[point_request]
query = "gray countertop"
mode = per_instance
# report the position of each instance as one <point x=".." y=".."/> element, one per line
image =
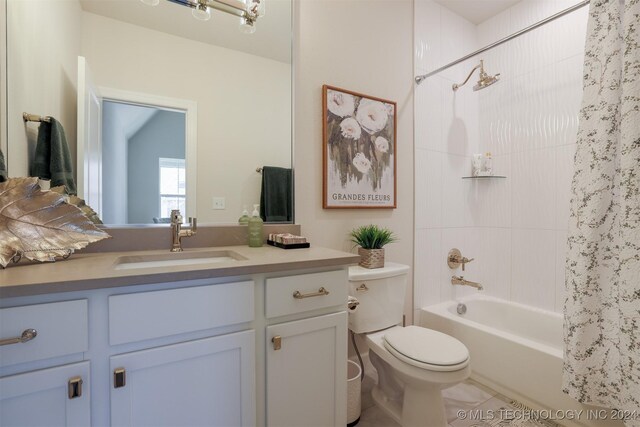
<point x="98" y="270"/>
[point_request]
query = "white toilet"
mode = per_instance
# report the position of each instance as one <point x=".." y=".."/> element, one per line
<point x="413" y="363"/>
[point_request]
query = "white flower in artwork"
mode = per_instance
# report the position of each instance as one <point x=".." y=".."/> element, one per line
<point x="382" y="145"/>
<point x="361" y="163"/>
<point x="372" y="115"/>
<point x="340" y="104"/>
<point x="350" y="128"/>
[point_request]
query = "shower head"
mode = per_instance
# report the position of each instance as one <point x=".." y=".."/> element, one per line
<point x="485" y="79"/>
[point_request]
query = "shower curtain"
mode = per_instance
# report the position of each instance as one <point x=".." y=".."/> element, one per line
<point x="602" y="309"/>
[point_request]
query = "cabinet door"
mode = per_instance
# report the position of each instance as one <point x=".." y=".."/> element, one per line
<point x="307" y="375"/>
<point x="41" y="398"/>
<point x="207" y="382"/>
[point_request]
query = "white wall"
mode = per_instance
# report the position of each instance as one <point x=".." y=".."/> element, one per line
<point x="364" y="47"/>
<point x="244" y="116"/>
<point x="50" y="55"/>
<point x="514" y="228"/>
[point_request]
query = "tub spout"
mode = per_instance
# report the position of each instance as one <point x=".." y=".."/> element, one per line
<point x="459" y="280"/>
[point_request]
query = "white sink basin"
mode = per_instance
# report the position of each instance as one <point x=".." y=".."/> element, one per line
<point x="173" y="259"/>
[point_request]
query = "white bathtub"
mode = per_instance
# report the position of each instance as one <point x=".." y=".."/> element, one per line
<point x="515" y="349"/>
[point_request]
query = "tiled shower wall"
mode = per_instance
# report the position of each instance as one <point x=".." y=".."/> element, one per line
<point x="515" y="228"/>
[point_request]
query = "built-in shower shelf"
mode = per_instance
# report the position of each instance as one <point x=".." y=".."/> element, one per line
<point x="485" y="177"/>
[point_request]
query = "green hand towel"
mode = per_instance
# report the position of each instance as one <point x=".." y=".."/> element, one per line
<point x="275" y="198"/>
<point x="52" y="158"/>
<point x="3" y="168"/>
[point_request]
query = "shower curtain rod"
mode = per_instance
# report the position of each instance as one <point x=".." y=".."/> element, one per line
<point x="577" y="6"/>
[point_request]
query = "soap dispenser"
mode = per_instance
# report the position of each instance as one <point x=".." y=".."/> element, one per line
<point x="244" y="219"/>
<point x="255" y="228"/>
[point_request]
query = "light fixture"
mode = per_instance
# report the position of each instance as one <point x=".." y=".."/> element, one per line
<point x="247" y="10"/>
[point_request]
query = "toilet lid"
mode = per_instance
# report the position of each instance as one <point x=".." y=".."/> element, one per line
<point x="427" y="346"/>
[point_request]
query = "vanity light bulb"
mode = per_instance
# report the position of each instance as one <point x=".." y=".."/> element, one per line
<point x="246" y="27"/>
<point x="201" y="12"/>
<point x="151" y="2"/>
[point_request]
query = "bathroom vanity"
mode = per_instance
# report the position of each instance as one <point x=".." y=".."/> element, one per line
<point x="257" y="338"/>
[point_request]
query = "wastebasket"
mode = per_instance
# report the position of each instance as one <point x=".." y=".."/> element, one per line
<point x="353" y="393"/>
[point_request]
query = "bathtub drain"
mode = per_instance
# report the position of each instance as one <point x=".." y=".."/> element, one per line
<point x="461" y="309"/>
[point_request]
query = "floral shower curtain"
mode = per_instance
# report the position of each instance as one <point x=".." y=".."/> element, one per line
<point x="602" y="310"/>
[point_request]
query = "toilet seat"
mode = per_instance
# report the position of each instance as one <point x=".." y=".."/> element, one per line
<point x="426" y="349"/>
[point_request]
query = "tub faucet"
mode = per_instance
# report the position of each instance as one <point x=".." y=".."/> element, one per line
<point x="459" y="280"/>
<point x="177" y="233"/>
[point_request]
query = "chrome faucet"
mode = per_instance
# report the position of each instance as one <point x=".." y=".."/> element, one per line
<point x="459" y="280"/>
<point x="177" y="233"/>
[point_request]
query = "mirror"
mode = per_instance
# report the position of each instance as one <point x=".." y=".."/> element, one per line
<point x="228" y="93"/>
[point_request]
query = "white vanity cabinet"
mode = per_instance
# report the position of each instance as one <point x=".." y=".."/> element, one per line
<point x="307" y="359"/>
<point x="39" y="337"/>
<point x="206" y="382"/>
<point x="58" y="396"/>
<point x="201" y="382"/>
<point x="263" y="349"/>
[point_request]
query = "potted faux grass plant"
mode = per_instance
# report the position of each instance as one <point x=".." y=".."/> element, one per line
<point x="371" y="240"/>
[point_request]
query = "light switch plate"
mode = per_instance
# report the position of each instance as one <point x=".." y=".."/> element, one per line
<point x="218" y="203"/>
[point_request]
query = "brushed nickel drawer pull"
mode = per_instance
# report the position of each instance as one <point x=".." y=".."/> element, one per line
<point x="277" y="342"/>
<point x="322" y="291"/>
<point x="27" y="335"/>
<point x="119" y="377"/>
<point x="74" y="387"/>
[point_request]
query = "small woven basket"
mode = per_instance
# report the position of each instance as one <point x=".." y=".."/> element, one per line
<point x="371" y="258"/>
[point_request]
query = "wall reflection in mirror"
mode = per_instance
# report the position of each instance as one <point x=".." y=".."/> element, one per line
<point x="160" y="110"/>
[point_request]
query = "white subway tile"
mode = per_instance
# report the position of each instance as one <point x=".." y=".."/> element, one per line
<point x="453" y="198"/>
<point x="564" y="175"/>
<point x="428" y="271"/>
<point x="428" y="114"/>
<point x="428" y="189"/>
<point x="561" y="255"/>
<point x="534" y="268"/>
<point x="428" y="35"/>
<point x="533" y="189"/>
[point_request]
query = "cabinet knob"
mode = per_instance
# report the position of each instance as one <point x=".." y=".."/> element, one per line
<point x="277" y="342"/>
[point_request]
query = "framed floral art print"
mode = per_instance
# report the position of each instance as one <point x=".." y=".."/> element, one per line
<point x="359" y="150"/>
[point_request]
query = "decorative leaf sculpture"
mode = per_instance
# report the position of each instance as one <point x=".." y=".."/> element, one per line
<point x="80" y="203"/>
<point x="40" y="225"/>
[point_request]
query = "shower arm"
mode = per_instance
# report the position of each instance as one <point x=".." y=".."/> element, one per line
<point x="457" y="86"/>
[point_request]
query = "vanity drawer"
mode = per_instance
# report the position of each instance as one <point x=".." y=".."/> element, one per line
<point x="61" y="329"/>
<point x="280" y="299"/>
<point x="146" y="315"/>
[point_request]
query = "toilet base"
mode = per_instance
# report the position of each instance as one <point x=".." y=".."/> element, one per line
<point x="422" y="407"/>
<point x="409" y="395"/>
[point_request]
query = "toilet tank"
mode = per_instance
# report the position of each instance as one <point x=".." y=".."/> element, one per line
<point x="381" y="293"/>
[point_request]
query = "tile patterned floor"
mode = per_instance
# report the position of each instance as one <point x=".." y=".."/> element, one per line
<point x="472" y="398"/>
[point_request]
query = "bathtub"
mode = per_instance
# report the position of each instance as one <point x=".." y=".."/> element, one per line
<point x="515" y="349"/>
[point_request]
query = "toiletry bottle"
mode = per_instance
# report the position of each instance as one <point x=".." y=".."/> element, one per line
<point x="476" y="165"/>
<point x="244" y="219"/>
<point x="255" y="228"/>
<point x="487" y="165"/>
